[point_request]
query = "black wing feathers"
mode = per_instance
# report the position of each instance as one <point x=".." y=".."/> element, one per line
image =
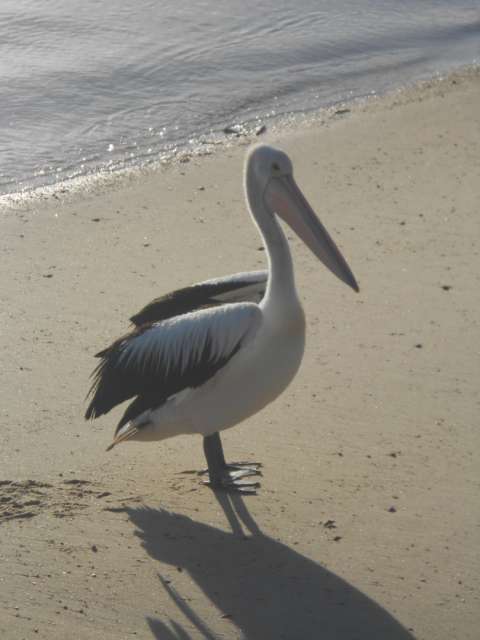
<point x="205" y="294"/>
<point x="150" y="380"/>
<point x="151" y="385"/>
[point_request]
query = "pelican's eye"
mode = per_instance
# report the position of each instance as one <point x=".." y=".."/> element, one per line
<point x="275" y="167"/>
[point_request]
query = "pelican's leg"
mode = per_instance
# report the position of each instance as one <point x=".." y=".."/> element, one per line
<point x="227" y="476"/>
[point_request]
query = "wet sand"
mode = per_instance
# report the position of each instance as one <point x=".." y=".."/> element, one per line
<point x="367" y="522"/>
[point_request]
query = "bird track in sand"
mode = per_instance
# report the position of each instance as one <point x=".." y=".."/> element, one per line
<point x="25" y="499"/>
<point x="29" y="498"/>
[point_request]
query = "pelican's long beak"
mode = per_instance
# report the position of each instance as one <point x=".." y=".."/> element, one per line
<point x="283" y="197"/>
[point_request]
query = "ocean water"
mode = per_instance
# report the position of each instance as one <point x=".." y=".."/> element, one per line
<point x="88" y="86"/>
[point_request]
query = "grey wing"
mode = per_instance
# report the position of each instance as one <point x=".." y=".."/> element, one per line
<point x="155" y="362"/>
<point x="238" y="287"/>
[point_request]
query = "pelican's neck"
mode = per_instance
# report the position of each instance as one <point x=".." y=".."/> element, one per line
<point x="281" y="281"/>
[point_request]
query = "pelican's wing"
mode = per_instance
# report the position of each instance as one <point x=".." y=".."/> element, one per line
<point x="238" y="287"/>
<point x="157" y="361"/>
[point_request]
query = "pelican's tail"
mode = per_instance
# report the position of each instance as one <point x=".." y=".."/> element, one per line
<point x="126" y="433"/>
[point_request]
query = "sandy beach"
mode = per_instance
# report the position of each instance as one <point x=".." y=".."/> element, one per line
<point x="367" y="522"/>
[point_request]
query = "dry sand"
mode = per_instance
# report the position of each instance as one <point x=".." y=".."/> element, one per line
<point x="367" y="522"/>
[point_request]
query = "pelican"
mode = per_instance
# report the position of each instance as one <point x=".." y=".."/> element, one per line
<point x="204" y="358"/>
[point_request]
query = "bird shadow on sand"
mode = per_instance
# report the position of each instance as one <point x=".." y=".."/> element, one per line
<point x="264" y="588"/>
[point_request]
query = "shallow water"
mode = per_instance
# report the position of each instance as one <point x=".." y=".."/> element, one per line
<point x="88" y="86"/>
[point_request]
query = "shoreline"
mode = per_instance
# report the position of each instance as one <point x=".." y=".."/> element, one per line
<point x="277" y="127"/>
<point x="366" y="523"/>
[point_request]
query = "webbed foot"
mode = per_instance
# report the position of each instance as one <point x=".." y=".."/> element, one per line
<point x="231" y="481"/>
<point x="228" y="477"/>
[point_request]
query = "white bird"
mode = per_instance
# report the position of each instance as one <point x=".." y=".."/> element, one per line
<point x="205" y="358"/>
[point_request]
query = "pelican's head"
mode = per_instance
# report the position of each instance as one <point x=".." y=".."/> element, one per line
<point x="266" y="163"/>
<point x="272" y="173"/>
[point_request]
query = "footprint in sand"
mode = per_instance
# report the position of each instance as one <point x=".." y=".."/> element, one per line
<point x="29" y="498"/>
